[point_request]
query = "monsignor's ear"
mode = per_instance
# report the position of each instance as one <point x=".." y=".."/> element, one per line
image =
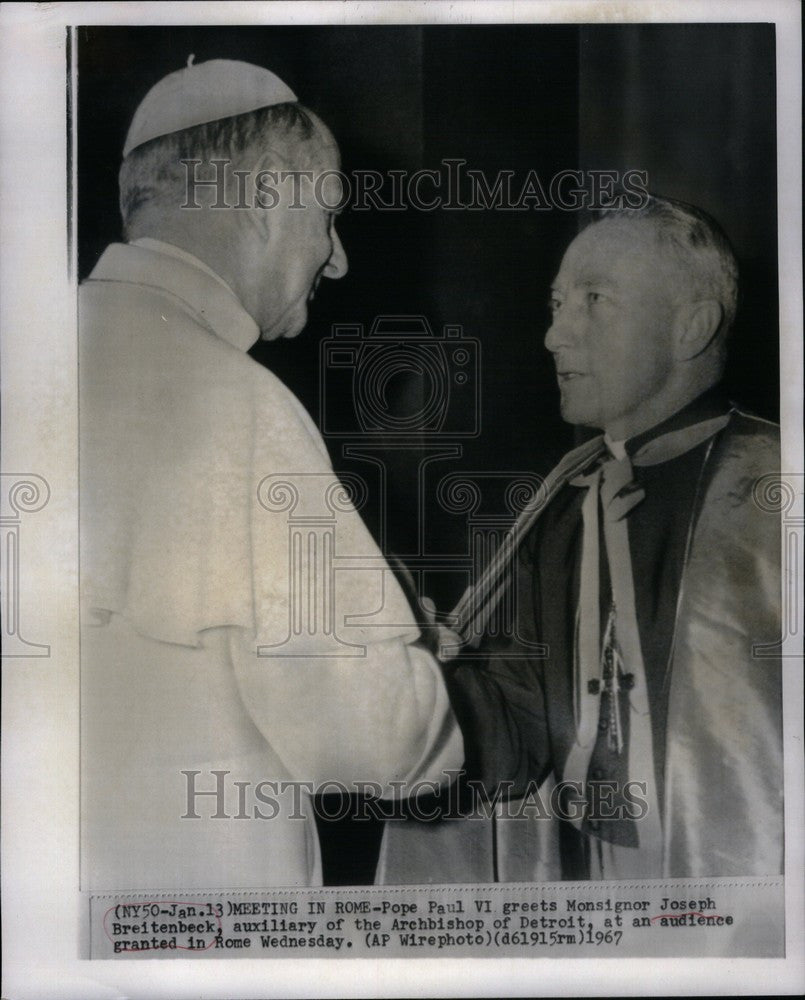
<point x="697" y="325"/>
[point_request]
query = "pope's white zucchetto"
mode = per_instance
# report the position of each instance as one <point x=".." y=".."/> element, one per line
<point x="207" y="92"/>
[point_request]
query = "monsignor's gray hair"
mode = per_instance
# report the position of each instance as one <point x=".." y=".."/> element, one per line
<point x="699" y="245"/>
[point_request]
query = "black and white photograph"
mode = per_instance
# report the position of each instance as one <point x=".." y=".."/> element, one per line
<point x="419" y="481"/>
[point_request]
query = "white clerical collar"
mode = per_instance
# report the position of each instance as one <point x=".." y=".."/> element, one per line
<point x="159" y="265"/>
<point x="616" y="448"/>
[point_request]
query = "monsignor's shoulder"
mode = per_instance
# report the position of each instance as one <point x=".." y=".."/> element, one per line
<point x="761" y="436"/>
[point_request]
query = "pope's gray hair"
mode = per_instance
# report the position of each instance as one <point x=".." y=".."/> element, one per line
<point x="154" y="174"/>
<point x="699" y="246"/>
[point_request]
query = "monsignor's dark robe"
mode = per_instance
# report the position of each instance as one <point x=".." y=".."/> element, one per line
<point x="705" y="548"/>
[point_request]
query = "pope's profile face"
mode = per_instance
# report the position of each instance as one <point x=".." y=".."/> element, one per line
<point x="613" y="305"/>
<point x="303" y="245"/>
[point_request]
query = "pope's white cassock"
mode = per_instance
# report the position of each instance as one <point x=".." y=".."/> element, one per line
<point x="237" y="617"/>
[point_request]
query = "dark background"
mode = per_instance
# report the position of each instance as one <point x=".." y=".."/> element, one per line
<point x="693" y="105"/>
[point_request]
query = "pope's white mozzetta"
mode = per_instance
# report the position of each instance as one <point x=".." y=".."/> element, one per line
<point x="186" y="443"/>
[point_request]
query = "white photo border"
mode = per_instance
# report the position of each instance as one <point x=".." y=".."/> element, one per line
<point x="40" y="706"/>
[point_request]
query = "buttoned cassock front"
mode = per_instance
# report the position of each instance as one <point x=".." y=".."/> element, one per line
<point x="186" y="573"/>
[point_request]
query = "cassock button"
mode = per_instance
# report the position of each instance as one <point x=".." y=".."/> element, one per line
<point x="603" y="725"/>
<point x="593" y="686"/>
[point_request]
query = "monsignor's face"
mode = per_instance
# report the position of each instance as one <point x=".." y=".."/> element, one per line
<point x="303" y="245"/>
<point x="613" y="304"/>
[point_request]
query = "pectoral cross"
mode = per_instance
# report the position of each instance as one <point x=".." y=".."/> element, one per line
<point x="615" y="679"/>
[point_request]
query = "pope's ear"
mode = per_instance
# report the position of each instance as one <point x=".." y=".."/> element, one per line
<point x="697" y="325"/>
<point x="264" y="189"/>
